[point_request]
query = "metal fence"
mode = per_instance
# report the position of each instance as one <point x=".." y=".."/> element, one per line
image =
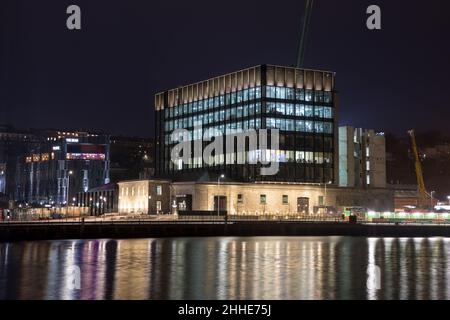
<point x="172" y="219"/>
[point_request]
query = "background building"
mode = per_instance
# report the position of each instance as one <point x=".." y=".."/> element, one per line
<point x="300" y="103"/>
<point x="272" y="198"/>
<point x="131" y="158"/>
<point x="362" y="158"/>
<point x="145" y="197"/>
<point x="13" y="143"/>
<point x="45" y="166"/>
<point x="59" y="165"/>
<point x="99" y="200"/>
<point x="3" y="178"/>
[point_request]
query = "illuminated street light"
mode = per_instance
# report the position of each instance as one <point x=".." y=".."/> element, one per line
<point x="325" y="196"/>
<point x="218" y="183"/>
<point x="431" y="199"/>
<point x="68" y="186"/>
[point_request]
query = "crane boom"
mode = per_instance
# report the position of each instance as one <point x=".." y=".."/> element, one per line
<point x="419" y="174"/>
<point x="304" y="34"/>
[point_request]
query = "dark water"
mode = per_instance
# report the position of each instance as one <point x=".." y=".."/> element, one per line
<point x="227" y="268"/>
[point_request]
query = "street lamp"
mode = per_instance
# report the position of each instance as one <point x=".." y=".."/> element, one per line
<point x="325" y="196"/>
<point x="431" y="200"/>
<point x="68" y="186"/>
<point x="218" y="183"/>
<point x="448" y="199"/>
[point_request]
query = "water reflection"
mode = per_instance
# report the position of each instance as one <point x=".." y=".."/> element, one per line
<point x="228" y="268"/>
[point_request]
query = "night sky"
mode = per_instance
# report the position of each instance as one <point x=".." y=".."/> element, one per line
<point x="104" y="76"/>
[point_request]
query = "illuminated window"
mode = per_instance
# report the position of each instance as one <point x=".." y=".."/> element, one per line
<point x="258" y="108"/>
<point x="318" y="96"/>
<point x="290" y="109"/>
<point x="281" y="108"/>
<point x="280" y="92"/>
<point x="318" y="127"/>
<point x="262" y="199"/>
<point x="300" y="125"/>
<point x="271" y="107"/>
<point x="300" y="94"/>
<point x="290" y="93"/>
<point x="270" y="92"/>
<point x="159" y="190"/>
<point x="308" y="126"/>
<point x="308" y="111"/>
<point x="258" y="92"/>
<point x="321" y="201"/>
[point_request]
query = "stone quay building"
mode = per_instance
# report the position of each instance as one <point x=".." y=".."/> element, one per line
<point x="313" y="176"/>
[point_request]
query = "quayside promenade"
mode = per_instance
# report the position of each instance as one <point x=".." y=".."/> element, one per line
<point x="210" y="227"/>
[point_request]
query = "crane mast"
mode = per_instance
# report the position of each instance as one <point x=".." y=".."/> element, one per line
<point x="419" y="175"/>
<point x="304" y="34"/>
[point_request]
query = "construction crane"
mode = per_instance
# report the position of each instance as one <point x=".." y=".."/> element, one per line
<point x="304" y="34"/>
<point x="422" y="203"/>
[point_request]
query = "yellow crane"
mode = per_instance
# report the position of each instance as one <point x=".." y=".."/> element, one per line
<point x="422" y="203"/>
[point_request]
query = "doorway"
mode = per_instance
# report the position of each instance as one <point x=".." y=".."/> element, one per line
<point x="303" y="205"/>
<point x="222" y="201"/>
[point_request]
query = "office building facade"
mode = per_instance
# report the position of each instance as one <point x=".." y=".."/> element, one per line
<point x="300" y="103"/>
<point x="362" y="158"/>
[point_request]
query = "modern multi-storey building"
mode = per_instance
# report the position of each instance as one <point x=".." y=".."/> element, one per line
<point x="300" y="103"/>
<point x="2" y="178"/>
<point x="62" y="164"/>
<point x="362" y="158"/>
<point x="13" y="143"/>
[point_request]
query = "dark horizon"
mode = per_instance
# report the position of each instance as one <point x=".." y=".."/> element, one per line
<point x="103" y="77"/>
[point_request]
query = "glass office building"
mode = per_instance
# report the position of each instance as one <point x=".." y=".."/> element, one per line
<point x="300" y="103"/>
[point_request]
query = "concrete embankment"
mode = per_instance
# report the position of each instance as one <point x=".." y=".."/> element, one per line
<point x="55" y="230"/>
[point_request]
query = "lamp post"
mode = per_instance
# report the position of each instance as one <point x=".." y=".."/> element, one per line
<point x="325" y="196"/>
<point x="431" y="200"/>
<point x="68" y="186"/>
<point x="218" y="183"/>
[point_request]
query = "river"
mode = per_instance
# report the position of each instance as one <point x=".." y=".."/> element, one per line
<point x="227" y="268"/>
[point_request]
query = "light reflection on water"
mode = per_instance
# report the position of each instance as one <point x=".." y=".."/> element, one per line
<point x="227" y="268"/>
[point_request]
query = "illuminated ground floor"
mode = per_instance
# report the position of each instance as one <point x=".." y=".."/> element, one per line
<point x="163" y="197"/>
<point x="276" y="198"/>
